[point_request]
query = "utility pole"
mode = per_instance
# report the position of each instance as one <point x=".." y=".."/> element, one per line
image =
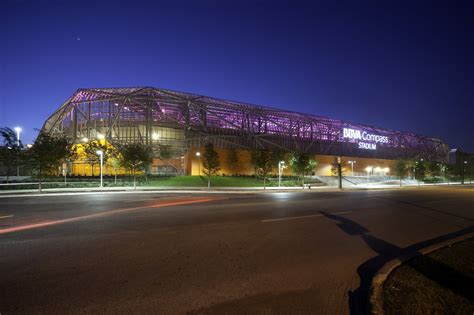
<point x="280" y="170"/>
<point x="339" y="171"/>
<point x="101" y="156"/>
<point x="352" y="166"/>
<point x="18" y="130"/>
<point x="198" y="154"/>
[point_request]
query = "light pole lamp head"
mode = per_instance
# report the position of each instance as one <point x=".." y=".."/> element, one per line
<point x="18" y="129"/>
<point x="99" y="152"/>
<point x="198" y="153"/>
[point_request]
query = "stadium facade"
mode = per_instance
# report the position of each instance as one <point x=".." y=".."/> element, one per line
<point x="186" y="122"/>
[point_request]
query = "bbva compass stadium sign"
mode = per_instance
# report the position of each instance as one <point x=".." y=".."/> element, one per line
<point x="367" y="141"/>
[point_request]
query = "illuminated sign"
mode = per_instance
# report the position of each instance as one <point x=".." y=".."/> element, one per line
<point x="367" y="141"/>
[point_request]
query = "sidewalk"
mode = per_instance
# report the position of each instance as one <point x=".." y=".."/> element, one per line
<point x="155" y="189"/>
<point x="204" y="190"/>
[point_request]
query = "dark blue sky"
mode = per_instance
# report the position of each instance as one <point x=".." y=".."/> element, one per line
<point x="403" y="65"/>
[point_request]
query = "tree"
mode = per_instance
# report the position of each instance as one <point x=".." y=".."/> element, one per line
<point x="164" y="152"/>
<point x="420" y="170"/>
<point x="115" y="161"/>
<point x="254" y="155"/>
<point x="91" y="156"/>
<point x="233" y="160"/>
<point x="11" y="150"/>
<point x="442" y="170"/>
<point x="432" y="168"/>
<point x="264" y="164"/>
<point x="134" y="156"/>
<point x="210" y="162"/>
<point x="73" y="155"/>
<point x="401" y="169"/>
<point x="48" y="153"/>
<point x="7" y="159"/>
<point x="334" y="166"/>
<point x="302" y="163"/>
<point x="279" y="156"/>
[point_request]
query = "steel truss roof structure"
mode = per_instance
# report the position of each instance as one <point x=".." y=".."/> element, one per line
<point x="131" y="114"/>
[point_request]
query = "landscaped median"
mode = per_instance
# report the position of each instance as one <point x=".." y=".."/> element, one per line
<point x="441" y="282"/>
<point x="158" y="181"/>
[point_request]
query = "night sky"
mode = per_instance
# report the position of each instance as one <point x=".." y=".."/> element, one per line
<point x="402" y="65"/>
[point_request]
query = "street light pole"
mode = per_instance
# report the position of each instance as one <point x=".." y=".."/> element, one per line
<point x="101" y="155"/>
<point x="18" y="130"/>
<point x="280" y="169"/>
<point x="368" y="169"/>
<point x="463" y="171"/>
<point x="352" y="167"/>
<point x="470" y="170"/>
<point x="198" y="154"/>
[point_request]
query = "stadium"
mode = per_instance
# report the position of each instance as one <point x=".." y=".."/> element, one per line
<point x="186" y="122"/>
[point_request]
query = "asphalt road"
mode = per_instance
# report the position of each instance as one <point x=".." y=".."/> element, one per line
<point x="308" y="252"/>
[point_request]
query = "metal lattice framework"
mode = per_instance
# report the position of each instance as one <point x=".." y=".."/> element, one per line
<point x="184" y="120"/>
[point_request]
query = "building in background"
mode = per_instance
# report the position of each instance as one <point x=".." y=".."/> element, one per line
<point x="185" y="122"/>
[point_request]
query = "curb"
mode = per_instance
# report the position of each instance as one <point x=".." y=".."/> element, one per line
<point x="157" y="191"/>
<point x="376" y="288"/>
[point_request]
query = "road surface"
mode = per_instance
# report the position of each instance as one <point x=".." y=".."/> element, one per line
<point x="264" y="253"/>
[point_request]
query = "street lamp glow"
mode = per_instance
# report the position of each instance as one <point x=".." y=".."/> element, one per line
<point x="155" y="136"/>
<point x="18" y="130"/>
<point x="101" y="155"/>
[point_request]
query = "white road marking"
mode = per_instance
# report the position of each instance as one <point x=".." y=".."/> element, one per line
<point x="100" y="214"/>
<point x="6" y="216"/>
<point x="304" y="216"/>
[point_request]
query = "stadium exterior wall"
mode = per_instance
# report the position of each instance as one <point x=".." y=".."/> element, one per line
<point x="187" y="121"/>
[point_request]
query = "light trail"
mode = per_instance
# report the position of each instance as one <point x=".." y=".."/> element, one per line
<point x="97" y="215"/>
<point x="303" y="217"/>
